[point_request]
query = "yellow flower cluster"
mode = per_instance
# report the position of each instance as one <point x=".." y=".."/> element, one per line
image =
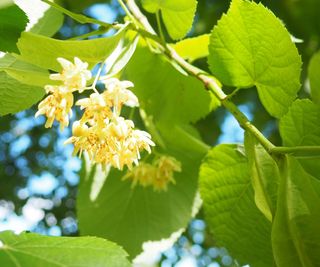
<point x="108" y="138"/>
<point x="57" y="106"/>
<point x="158" y="175"/>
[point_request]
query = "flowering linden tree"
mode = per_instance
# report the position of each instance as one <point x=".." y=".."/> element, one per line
<point x="133" y="101"/>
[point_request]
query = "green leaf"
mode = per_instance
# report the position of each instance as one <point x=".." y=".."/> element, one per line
<point x="111" y="208"/>
<point x="33" y="250"/>
<point x="43" y="51"/>
<point x="230" y="209"/>
<point x="49" y="24"/>
<point x="16" y="96"/>
<point x="300" y="127"/>
<point x="265" y="176"/>
<point x="251" y="47"/>
<point x="12" y="22"/>
<point x="24" y="72"/>
<point x="164" y="92"/>
<point x="314" y="77"/>
<point x="177" y="15"/>
<point x="296" y="228"/>
<point x="194" y="48"/>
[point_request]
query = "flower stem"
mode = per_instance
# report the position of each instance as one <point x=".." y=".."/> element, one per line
<point x="159" y="25"/>
<point x="127" y="11"/>
<point x="93" y="86"/>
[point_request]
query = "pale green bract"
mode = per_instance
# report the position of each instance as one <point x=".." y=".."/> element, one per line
<point x="43" y="51"/>
<point x="265" y="176"/>
<point x="177" y="15"/>
<point x="230" y="211"/>
<point x="34" y="250"/>
<point x="251" y="47"/>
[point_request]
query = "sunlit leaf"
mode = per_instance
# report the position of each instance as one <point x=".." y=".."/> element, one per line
<point x="230" y="210"/>
<point x="33" y="250"/>
<point x="300" y="127"/>
<point x="251" y="47"/>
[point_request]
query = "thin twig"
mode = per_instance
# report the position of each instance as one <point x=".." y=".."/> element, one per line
<point x="159" y="26"/>
<point x="126" y="10"/>
<point x="93" y="86"/>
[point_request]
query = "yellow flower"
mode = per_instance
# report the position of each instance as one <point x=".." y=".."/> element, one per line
<point x="96" y="109"/>
<point x="160" y="183"/>
<point x="126" y="142"/>
<point x="107" y="138"/>
<point x="57" y="106"/>
<point x="74" y="75"/>
<point x="117" y="94"/>
<point x="123" y="157"/>
<point x="143" y="175"/>
<point x="114" y="143"/>
<point x="120" y="128"/>
<point x="80" y="138"/>
<point x="141" y="139"/>
<point x="159" y="174"/>
<point x="166" y="166"/>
